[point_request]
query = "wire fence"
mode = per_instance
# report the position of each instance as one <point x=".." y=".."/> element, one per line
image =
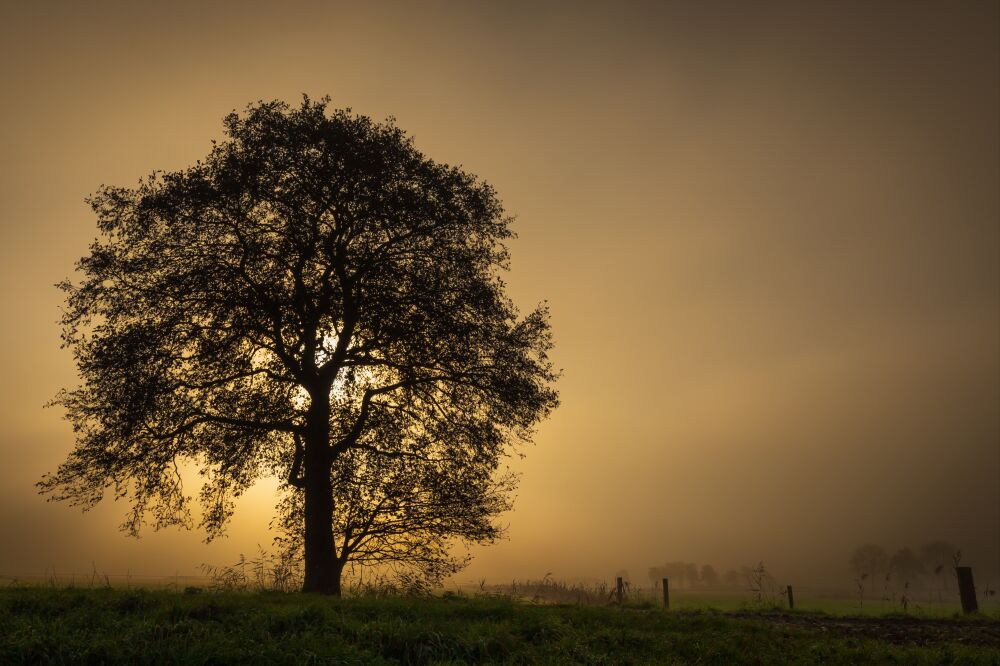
<point x="927" y="600"/>
<point x="753" y="595"/>
<point x="55" y="578"/>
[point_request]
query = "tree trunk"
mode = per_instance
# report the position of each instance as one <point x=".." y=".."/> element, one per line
<point x="322" y="567"/>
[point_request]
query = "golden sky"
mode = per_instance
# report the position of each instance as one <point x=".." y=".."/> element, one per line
<point x="769" y="234"/>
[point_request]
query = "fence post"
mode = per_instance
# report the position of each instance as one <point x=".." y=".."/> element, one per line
<point x="966" y="589"/>
<point x="666" y="593"/>
<point x="619" y="590"/>
<point x="791" y="599"/>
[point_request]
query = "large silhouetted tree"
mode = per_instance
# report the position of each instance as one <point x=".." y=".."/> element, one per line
<point x="314" y="282"/>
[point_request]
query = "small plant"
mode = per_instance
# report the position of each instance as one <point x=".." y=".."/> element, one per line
<point x="859" y="582"/>
<point x="885" y="586"/>
<point x="938" y="570"/>
<point x="275" y="573"/>
<point x="762" y="585"/>
<point x="94" y="577"/>
<point x="988" y="592"/>
<point x="550" y="591"/>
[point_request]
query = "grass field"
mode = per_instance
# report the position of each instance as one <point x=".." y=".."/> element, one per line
<point x="812" y="599"/>
<point x="75" y="625"/>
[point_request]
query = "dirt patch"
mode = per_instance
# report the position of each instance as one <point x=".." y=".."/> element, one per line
<point x="898" y="630"/>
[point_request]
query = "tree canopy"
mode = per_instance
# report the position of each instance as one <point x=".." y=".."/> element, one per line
<point x="284" y="306"/>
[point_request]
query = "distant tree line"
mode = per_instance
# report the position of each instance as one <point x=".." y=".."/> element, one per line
<point x="931" y="568"/>
<point x="692" y="575"/>
<point x="878" y="574"/>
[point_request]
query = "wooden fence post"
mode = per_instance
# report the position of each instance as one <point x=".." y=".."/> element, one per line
<point x="791" y="599"/>
<point x="666" y="593"/>
<point x="619" y="590"/>
<point x="966" y="589"/>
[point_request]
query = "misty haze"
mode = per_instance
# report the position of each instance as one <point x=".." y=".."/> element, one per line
<point x="561" y="302"/>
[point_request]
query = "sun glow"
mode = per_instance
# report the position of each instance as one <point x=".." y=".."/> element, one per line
<point x="347" y="383"/>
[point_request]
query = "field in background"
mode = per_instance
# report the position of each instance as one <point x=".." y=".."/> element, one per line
<point x="71" y="625"/>
<point x="827" y="600"/>
<point x="811" y="599"/>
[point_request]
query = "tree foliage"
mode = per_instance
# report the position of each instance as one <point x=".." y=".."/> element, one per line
<point x="401" y="516"/>
<point x="314" y="284"/>
<point x="869" y="560"/>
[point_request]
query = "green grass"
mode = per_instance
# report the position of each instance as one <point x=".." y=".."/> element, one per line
<point x="113" y="625"/>
<point x="728" y="601"/>
<point x="829" y="601"/>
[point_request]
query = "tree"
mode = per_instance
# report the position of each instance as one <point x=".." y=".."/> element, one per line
<point x="676" y="572"/>
<point x="732" y="578"/>
<point x="264" y="312"/>
<point x="691" y="574"/>
<point x="938" y="557"/>
<point x="906" y="567"/>
<point x="869" y="560"/>
<point x="709" y="576"/>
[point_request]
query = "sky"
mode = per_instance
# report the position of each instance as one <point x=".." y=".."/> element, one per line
<point x="768" y="233"/>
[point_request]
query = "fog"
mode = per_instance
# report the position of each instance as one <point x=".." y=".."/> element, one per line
<point x="769" y="235"/>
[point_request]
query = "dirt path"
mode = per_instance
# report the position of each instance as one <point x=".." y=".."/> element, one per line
<point x="899" y="630"/>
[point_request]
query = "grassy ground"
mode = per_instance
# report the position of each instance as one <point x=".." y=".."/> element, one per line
<point x="114" y="625"/>
<point x="822" y="600"/>
<point x="828" y="604"/>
